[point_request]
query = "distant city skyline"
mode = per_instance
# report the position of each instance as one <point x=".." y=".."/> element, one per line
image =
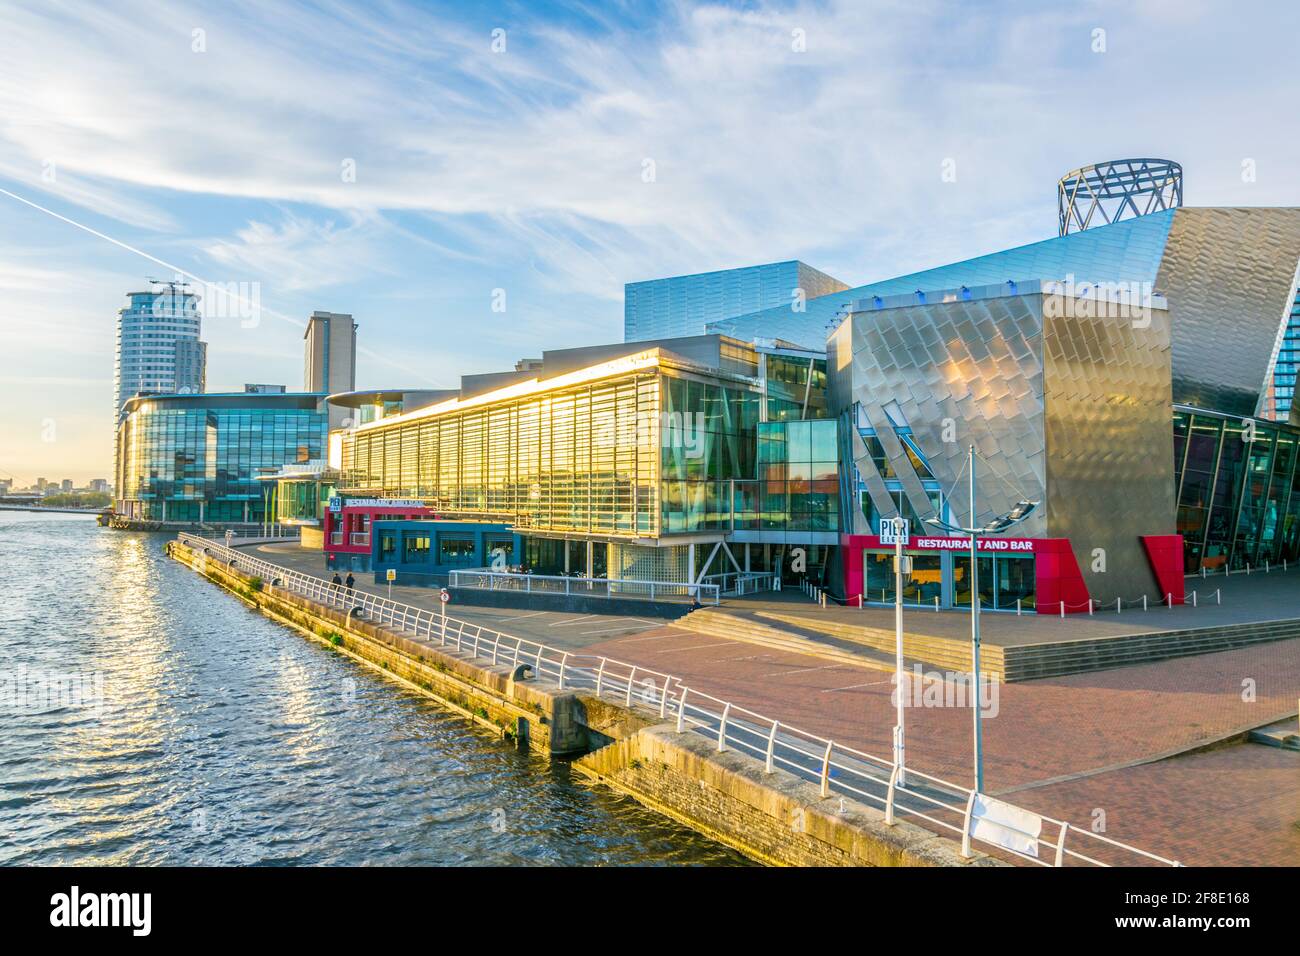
<point x="473" y="187"/>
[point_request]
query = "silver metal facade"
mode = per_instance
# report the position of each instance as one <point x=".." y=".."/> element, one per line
<point x="1228" y="274"/>
<point x="1067" y="401"/>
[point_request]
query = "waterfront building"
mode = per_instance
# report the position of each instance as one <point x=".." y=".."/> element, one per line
<point x="626" y="459"/>
<point x="198" y="458"/>
<point x="158" y="347"/>
<point x="424" y="552"/>
<point x="684" y="305"/>
<point x="1133" y="376"/>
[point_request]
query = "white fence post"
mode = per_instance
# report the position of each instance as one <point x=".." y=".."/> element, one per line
<point x="630" y="678"/>
<point x="771" y="748"/>
<point x="1060" y="845"/>
<point x="600" y="676"/>
<point x="722" y="728"/>
<point x="965" y="826"/>
<point x="563" y="663"/>
<point x="889" y="796"/>
<point x="826" y="770"/>
<point x="663" y="699"/>
<point x="681" y="710"/>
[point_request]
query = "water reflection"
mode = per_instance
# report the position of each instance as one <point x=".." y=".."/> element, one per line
<point x="227" y="739"/>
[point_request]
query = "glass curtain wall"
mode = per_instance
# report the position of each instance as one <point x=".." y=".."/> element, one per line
<point x="644" y="455"/>
<point x="798" y="478"/>
<point x="1238" y="491"/>
<point x="796" y="388"/>
<point x="194" y="462"/>
<point x="708" y="438"/>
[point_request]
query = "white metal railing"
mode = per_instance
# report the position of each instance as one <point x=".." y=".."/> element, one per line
<point x="936" y="804"/>
<point x="488" y="580"/>
<point x="742" y="582"/>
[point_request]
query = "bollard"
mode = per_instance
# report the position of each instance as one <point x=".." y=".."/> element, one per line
<point x="1218" y="596"/>
<point x="1089" y="607"/>
<point x="1193" y="599"/>
<point x="1202" y="572"/>
<point x="1247" y="569"/>
<point x="1119" y="605"/>
<point x="1017" y="606"/>
<point x="1062" y="610"/>
<point x="936" y="604"/>
<point x="1169" y="599"/>
<point x="1144" y="602"/>
<point x="1266" y="567"/>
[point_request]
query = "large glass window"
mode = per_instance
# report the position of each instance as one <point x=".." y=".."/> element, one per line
<point x="415" y="548"/>
<point x="455" y="550"/>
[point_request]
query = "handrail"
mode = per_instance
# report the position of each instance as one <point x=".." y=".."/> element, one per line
<point x="835" y="768"/>
<point x="637" y="588"/>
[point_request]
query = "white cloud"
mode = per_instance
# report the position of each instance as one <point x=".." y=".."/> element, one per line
<point x="761" y="152"/>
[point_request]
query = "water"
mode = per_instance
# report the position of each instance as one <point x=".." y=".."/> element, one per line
<point x="224" y="738"/>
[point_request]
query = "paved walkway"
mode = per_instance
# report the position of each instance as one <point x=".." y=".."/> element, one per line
<point x="1064" y="746"/>
<point x="1254" y="597"/>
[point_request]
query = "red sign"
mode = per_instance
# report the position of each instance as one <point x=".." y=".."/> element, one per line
<point x="923" y="543"/>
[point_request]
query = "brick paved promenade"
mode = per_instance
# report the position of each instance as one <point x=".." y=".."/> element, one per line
<point x="1064" y="746"/>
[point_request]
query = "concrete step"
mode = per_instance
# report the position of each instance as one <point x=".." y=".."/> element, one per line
<point x="1284" y="734"/>
<point x="1052" y="659"/>
<point x="736" y="627"/>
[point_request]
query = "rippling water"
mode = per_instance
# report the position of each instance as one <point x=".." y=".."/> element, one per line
<point x="223" y="738"/>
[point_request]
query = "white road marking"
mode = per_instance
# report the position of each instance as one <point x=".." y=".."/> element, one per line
<point x="652" y="637"/>
<point x="628" y="627"/>
<point x="804" y="670"/>
<point x="748" y="657"/>
<point x="871" y="683"/>
<point x="700" y="647"/>
<point x="573" y="620"/>
<point x="522" y="616"/>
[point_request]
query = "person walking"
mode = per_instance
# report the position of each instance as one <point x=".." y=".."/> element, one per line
<point x="336" y="582"/>
<point x="350" y="583"/>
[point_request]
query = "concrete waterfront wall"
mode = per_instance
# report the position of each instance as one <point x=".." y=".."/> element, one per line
<point x="551" y="721"/>
<point x="776" y="819"/>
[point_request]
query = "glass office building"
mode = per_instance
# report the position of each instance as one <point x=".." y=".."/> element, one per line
<point x="197" y="458"/>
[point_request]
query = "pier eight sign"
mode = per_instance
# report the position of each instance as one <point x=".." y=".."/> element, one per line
<point x="894" y="529"/>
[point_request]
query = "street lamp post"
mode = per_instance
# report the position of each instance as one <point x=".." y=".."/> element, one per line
<point x="975" y="631"/>
<point x="900" y="533"/>
<point x="999" y="524"/>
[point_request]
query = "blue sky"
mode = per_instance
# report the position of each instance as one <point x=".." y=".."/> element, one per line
<point x="817" y="131"/>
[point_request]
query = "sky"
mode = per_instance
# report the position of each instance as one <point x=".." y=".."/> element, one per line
<point x="416" y="163"/>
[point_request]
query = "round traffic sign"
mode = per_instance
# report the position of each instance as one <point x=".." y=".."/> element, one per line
<point x="444" y="597"/>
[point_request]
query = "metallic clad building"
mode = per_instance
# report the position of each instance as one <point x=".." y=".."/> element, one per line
<point x="1228" y="275"/>
<point x="684" y="305"/>
<point x="1130" y="250"/>
<point x="1066" y="398"/>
